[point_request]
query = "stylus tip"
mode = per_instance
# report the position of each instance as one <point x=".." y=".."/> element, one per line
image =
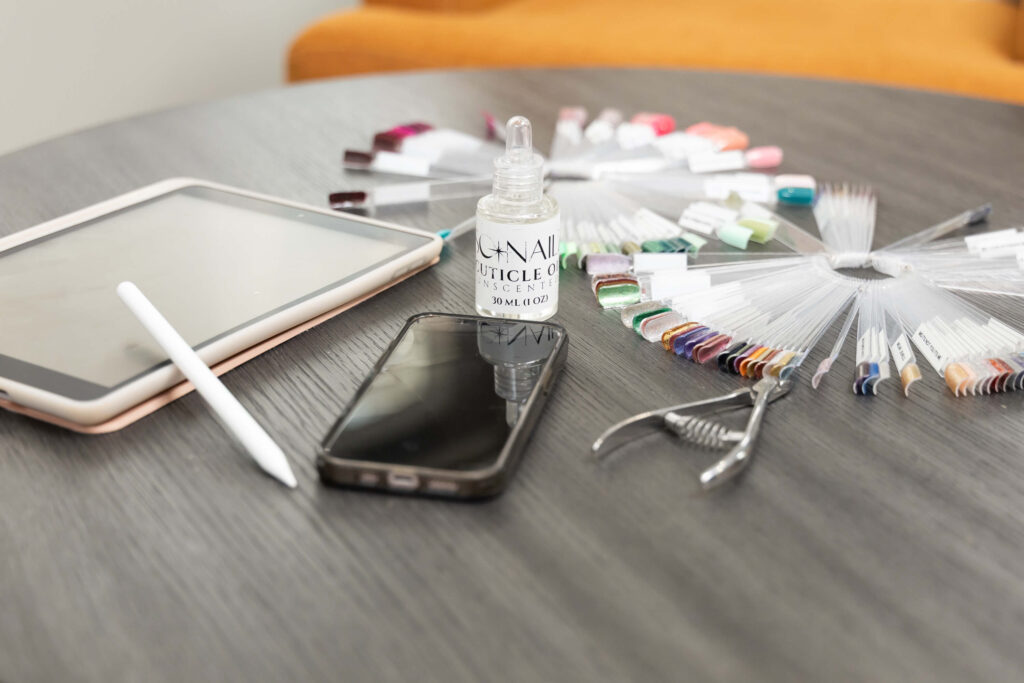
<point x="282" y="472"/>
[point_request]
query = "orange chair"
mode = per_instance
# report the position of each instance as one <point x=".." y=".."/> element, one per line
<point x="972" y="47"/>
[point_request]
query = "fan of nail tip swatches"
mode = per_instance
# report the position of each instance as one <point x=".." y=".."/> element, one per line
<point x="605" y="172"/>
<point x="603" y="175"/>
<point x="763" y="317"/>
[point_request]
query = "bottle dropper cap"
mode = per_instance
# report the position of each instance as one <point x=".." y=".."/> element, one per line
<point x="519" y="173"/>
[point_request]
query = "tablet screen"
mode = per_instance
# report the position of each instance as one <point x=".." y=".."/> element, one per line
<point x="211" y="261"/>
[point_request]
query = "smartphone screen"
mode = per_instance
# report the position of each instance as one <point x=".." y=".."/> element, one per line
<point x="448" y="395"/>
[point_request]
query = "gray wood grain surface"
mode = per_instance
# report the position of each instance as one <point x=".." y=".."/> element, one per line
<point x="872" y="539"/>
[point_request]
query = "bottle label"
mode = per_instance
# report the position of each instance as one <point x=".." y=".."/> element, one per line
<point x="517" y="266"/>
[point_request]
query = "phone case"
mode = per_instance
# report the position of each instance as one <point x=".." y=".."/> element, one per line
<point x="404" y="479"/>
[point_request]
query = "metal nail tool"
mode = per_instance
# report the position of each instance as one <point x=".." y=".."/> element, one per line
<point x="686" y="422"/>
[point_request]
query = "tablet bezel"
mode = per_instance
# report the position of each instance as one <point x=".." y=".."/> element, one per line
<point x="85" y="402"/>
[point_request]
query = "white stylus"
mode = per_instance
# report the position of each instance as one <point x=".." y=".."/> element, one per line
<point x="261" y="447"/>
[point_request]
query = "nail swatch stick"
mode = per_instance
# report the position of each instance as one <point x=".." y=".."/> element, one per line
<point x="261" y="447"/>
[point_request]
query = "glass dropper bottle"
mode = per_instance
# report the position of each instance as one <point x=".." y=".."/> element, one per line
<point x="517" y="233"/>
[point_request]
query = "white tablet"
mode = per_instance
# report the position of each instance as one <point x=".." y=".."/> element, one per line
<point x="231" y="270"/>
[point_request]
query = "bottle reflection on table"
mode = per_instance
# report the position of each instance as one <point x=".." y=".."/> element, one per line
<point x="518" y="351"/>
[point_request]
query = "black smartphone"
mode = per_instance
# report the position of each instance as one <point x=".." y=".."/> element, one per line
<point x="448" y="409"/>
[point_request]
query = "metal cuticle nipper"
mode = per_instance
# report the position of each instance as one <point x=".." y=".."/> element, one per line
<point x="685" y="421"/>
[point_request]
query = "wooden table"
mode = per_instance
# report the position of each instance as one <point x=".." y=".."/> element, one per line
<point x="872" y="539"/>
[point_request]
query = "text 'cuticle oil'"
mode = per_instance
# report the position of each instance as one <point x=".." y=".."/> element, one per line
<point x="517" y="231"/>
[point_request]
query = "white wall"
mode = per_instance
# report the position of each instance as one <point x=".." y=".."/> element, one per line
<point x="69" y="64"/>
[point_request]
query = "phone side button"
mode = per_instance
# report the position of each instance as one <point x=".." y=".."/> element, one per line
<point x="403" y="482"/>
